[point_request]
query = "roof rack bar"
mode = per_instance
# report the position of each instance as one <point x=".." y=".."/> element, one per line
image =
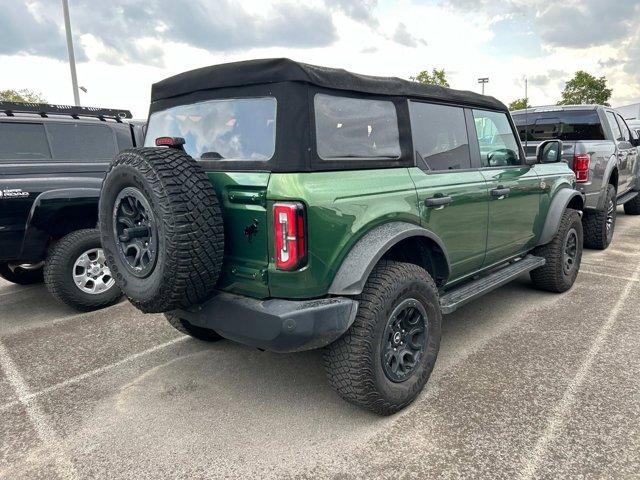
<point x="44" y="109"/>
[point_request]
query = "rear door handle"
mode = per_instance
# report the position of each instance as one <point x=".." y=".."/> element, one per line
<point x="438" y="201"/>
<point x="500" y="192"/>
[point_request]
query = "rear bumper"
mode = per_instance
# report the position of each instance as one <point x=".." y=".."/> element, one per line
<point x="275" y="324"/>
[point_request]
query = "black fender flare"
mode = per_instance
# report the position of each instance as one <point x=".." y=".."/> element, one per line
<point x="42" y="212"/>
<point x="557" y="207"/>
<point x="365" y="254"/>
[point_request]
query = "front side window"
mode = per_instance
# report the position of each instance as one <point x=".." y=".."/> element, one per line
<point x="76" y="141"/>
<point x="439" y="136"/>
<point x="23" y="141"/>
<point x="225" y="129"/>
<point x="355" y="128"/>
<point x="497" y="142"/>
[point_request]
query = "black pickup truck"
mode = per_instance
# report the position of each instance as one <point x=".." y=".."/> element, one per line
<point x="52" y="162"/>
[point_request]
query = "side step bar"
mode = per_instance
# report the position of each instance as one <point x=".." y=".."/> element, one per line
<point x="459" y="296"/>
<point x="626" y="197"/>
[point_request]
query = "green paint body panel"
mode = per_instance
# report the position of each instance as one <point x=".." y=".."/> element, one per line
<point x="242" y="197"/>
<point x="478" y="229"/>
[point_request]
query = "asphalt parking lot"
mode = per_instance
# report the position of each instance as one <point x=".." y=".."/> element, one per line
<point x="527" y="385"/>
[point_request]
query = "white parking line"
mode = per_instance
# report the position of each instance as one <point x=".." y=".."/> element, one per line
<point x="45" y="432"/>
<point x="617" y="277"/>
<point x="93" y="373"/>
<point x="566" y="403"/>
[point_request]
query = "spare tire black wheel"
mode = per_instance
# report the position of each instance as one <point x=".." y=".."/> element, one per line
<point x="161" y="229"/>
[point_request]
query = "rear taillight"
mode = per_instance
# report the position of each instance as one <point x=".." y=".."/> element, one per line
<point x="290" y="238"/>
<point x="581" y="167"/>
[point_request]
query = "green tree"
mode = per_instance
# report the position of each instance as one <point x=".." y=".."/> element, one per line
<point x="584" y="88"/>
<point x="436" y="77"/>
<point x="23" y="95"/>
<point x="519" y="104"/>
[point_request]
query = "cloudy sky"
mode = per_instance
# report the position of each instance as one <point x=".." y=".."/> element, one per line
<point x="123" y="46"/>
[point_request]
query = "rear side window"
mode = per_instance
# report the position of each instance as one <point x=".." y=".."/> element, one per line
<point x="497" y="142"/>
<point x="355" y="128"/>
<point x="224" y="129"/>
<point x="565" y="125"/>
<point x="617" y="134"/>
<point x="23" y="141"/>
<point x="439" y="136"/>
<point x="624" y="130"/>
<point x="76" y="141"/>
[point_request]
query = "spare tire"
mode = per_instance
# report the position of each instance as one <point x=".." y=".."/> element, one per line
<point x="161" y="229"/>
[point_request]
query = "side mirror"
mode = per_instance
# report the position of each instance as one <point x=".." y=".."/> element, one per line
<point x="635" y="141"/>
<point x="549" y="151"/>
<point x="530" y="160"/>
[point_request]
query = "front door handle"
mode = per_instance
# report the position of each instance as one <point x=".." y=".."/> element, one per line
<point x="500" y="192"/>
<point x="438" y="201"/>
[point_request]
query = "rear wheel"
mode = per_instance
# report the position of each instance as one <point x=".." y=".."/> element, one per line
<point x="563" y="256"/>
<point x="76" y="272"/>
<point x="194" y="331"/>
<point x="386" y="357"/>
<point x="22" y="274"/>
<point x="600" y="225"/>
<point x="632" y="207"/>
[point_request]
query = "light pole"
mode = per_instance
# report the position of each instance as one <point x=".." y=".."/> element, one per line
<point x="482" y="81"/>
<point x="72" y="57"/>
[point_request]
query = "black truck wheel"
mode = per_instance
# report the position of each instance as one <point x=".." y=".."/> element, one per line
<point x="161" y="229"/>
<point x="599" y="225"/>
<point x="76" y="273"/>
<point x="384" y="360"/>
<point x="22" y="274"/>
<point x="194" y="331"/>
<point x="632" y="207"/>
<point x="563" y="256"/>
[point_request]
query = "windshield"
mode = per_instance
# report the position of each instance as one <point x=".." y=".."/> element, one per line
<point x="230" y="129"/>
<point x="566" y="125"/>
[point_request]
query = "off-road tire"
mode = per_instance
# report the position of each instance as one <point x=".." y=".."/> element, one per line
<point x="20" y="276"/>
<point x="58" y="272"/>
<point x="189" y="225"/>
<point x="551" y="276"/>
<point x="353" y="362"/>
<point x="632" y="207"/>
<point x="594" y="224"/>
<point x="194" y="331"/>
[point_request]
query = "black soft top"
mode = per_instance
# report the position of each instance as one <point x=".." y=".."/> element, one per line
<point x="275" y="70"/>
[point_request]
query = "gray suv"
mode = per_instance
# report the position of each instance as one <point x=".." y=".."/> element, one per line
<point x="602" y="151"/>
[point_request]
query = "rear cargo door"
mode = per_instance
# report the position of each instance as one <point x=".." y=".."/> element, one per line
<point x="242" y="196"/>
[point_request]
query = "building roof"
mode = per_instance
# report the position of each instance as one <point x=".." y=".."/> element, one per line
<point x="275" y="70"/>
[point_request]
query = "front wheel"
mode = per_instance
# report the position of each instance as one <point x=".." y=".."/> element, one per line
<point x="386" y="357"/>
<point x="632" y="207"/>
<point x="563" y="256"/>
<point x="76" y="272"/>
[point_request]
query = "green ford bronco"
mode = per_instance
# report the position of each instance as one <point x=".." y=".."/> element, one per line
<point x="291" y="207"/>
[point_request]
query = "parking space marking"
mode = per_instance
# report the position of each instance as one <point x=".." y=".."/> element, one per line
<point x="47" y="435"/>
<point x="566" y="403"/>
<point x="95" y="372"/>
<point x="617" y="277"/>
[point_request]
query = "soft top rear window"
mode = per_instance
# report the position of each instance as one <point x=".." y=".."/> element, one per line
<point x="223" y="129"/>
<point x="566" y="125"/>
<point x="355" y="128"/>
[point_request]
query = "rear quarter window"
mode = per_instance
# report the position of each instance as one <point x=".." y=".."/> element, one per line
<point x="565" y="125"/>
<point x="355" y="128"/>
<point x="77" y="141"/>
<point x="23" y="141"/>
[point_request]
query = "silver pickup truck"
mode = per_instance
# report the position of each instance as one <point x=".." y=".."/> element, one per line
<point x="602" y="151"/>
